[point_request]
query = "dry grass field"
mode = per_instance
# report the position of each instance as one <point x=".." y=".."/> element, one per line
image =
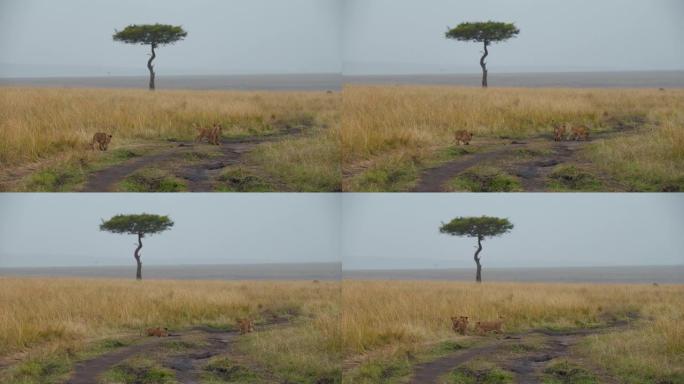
<point x="391" y="134"/>
<point x="49" y="324"/>
<point x="390" y="326"/>
<point x="356" y="332"/>
<point x="46" y="132"/>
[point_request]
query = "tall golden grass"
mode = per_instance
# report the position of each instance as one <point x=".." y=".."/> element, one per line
<point x="50" y="314"/>
<point x="40" y="123"/>
<point x="387" y="318"/>
<point x="398" y="125"/>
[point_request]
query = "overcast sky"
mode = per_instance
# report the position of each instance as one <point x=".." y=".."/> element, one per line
<point x="56" y="229"/>
<point x="362" y="230"/>
<point x="39" y="38"/>
<point x="74" y="37"/>
<point x="396" y="231"/>
<point x="407" y="36"/>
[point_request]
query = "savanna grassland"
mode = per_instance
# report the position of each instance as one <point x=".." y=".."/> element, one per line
<point x="401" y="138"/>
<point x="285" y="141"/>
<point x="48" y="325"/>
<point x="390" y="328"/>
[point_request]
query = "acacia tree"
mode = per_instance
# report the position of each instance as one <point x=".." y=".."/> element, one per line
<point x="483" y="32"/>
<point x="141" y="225"/>
<point x="153" y="35"/>
<point x="479" y="227"/>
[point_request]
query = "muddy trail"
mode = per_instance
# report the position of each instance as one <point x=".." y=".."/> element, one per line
<point x="505" y="154"/>
<point x="514" y="353"/>
<point x="187" y="365"/>
<point x="198" y="175"/>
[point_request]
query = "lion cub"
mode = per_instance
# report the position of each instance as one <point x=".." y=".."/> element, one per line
<point x="560" y="132"/>
<point x="159" y="332"/>
<point x="483" y="327"/>
<point x="213" y="134"/>
<point x="580" y="133"/>
<point x="100" y="141"/>
<point x="246" y="325"/>
<point x="463" y="137"/>
<point x="459" y="324"/>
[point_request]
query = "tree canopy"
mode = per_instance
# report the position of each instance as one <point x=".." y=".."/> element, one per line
<point x="142" y="224"/>
<point x="487" y="32"/>
<point x="480" y="227"/>
<point x="150" y="34"/>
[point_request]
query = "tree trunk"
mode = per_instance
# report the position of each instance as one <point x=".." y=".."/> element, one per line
<point x="478" y="274"/>
<point x="138" y="274"/>
<point x="151" y="68"/>
<point x="484" y="65"/>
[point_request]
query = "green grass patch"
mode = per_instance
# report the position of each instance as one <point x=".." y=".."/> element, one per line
<point x="242" y="180"/>
<point x="55" y="179"/>
<point x="56" y="367"/>
<point x="573" y="178"/>
<point x="564" y="372"/>
<point x="299" y="353"/>
<point x="379" y="372"/>
<point x="138" y="371"/>
<point x="306" y="164"/>
<point x="40" y="371"/>
<point x="387" y="177"/>
<point x="484" y="179"/>
<point x="152" y="180"/>
<point x="224" y="370"/>
<point x="479" y="373"/>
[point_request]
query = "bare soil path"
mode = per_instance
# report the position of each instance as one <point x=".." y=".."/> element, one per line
<point x="187" y="365"/>
<point x="527" y="366"/>
<point x="532" y="173"/>
<point x="197" y="175"/>
<point x="87" y="371"/>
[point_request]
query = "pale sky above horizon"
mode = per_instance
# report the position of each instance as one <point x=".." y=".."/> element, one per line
<point x="362" y="231"/>
<point x="401" y="231"/>
<point x="62" y="229"/>
<point x="39" y="39"/>
<point x="407" y="36"/>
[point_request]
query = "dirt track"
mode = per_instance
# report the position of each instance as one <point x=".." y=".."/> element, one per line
<point x="187" y="366"/>
<point x="532" y="172"/>
<point x="527" y="366"/>
<point x="197" y="175"/>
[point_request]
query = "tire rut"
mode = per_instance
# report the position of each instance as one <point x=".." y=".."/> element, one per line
<point x="196" y="175"/>
<point x="433" y="179"/>
<point x="532" y="173"/>
<point x="527" y="367"/>
<point x="186" y="366"/>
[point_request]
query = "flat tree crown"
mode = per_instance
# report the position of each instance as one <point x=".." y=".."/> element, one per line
<point x="488" y="32"/>
<point x="480" y="227"/>
<point x="137" y="224"/>
<point x="150" y="34"/>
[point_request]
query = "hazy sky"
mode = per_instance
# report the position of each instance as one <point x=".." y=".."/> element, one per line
<point x="401" y="230"/>
<point x="63" y="229"/>
<point x="407" y="36"/>
<point x="362" y="230"/>
<point x="74" y="37"/>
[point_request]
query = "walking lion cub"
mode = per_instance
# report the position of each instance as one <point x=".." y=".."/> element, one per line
<point x="495" y="326"/>
<point x="213" y="134"/>
<point x="158" y="332"/>
<point x="459" y="324"/>
<point x="100" y="141"/>
<point x="463" y="137"/>
<point x="245" y="325"/>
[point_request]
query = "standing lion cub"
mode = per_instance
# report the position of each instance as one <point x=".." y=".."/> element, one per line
<point x="245" y="325"/>
<point x="101" y="141"/>
<point x="463" y="137"/>
<point x="213" y="134"/>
